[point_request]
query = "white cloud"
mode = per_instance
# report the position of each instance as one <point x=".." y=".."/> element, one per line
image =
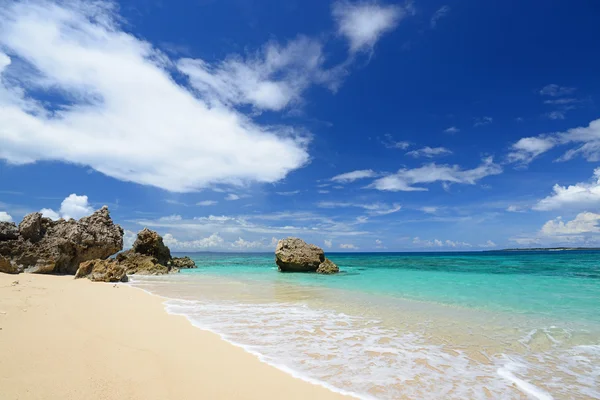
<point x="488" y="244"/>
<point x="561" y="101"/>
<point x="526" y="149"/>
<point x="483" y="121"/>
<point x="328" y="243"/>
<point x="272" y="79"/>
<point x="348" y="246"/>
<point x="171" y="218"/>
<point x="213" y="241"/>
<point x="584" y="223"/>
<point x="232" y="197"/>
<point x="129" y="238"/>
<point x="354" y="175"/>
<point x="439" y="243"/>
<point x="206" y="203"/>
<point x="73" y="206"/>
<point x="429" y="210"/>
<point x="554" y="90"/>
<point x="439" y="14"/>
<point x="557" y="114"/>
<point x="578" y="196"/>
<point x="373" y="209"/>
<point x="291" y="193"/>
<point x="115" y="107"/>
<point x="452" y="129"/>
<point x="404" y="179"/>
<point x="5" y="217"/>
<point x="322" y="191"/>
<point x="49" y="213"/>
<point x="379" y="244"/>
<point x="526" y="241"/>
<point x="429" y="152"/>
<point x="363" y="23"/>
<point x="514" y="209"/>
<point x="389" y="142"/>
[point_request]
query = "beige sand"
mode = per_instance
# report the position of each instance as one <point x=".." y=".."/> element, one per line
<point x="66" y="339"/>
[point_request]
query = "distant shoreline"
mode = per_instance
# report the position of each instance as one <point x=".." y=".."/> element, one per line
<point x="552" y="249"/>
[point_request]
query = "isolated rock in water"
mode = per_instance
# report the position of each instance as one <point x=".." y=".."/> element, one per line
<point x="102" y="271"/>
<point x="182" y="263"/>
<point x="46" y="246"/>
<point x="327" y="267"/>
<point x="140" y="264"/>
<point x="8" y="231"/>
<point x="151" y="243"/>
<point x="7" y="267"/>
<point x="295" y="255"/>
<point x="31" y="227"/>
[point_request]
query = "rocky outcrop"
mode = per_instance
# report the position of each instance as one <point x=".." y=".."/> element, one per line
<point x="327" y="267"/>
<point x="151" y="243"/>
<point x="8" y="231"/>
<point x="7" y="267"/>
<point x="46" y="246"/>
<point x="141" y="264"/>
<point x="102" y="271"/>
<point x="295" y="255"/>
<point x="182" y="263"/>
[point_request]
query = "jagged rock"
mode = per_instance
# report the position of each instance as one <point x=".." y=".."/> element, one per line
<point x="182" y="263"/>
<point x="31" y="227"/>
<point x="46" y="246"/>
<point x="7" y="267"/>
<point x="327" y="267"/>
<point x="140" y="264"/>
<point x="295" y="255"/>
<point x="151" y="243"/>
<point x="102" y="271"/>
<point x="8" y="231"/>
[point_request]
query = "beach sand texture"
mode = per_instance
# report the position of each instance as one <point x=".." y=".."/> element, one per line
<point x="67" y="339"/>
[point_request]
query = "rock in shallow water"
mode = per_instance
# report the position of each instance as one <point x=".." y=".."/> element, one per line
<point x="328" y="267"/>
<point x="295" y="255"/>
<point x="140" y="264"/>
<point x="182" y="263"/>
<point x="150" y="243"/>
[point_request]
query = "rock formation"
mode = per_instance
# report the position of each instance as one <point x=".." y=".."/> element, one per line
<point x="46" y="246"/>
<point x="8" y="231"/>
<point x="102" y="271"/>
<point x="182" y="263"/>
<point x="150" y="256"/>
<point x="327" y="267"/>
<point x="295" y="255"/>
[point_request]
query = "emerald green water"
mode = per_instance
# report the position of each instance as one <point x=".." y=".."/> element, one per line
<point x="419" y="325"/>
<point x="563" y="284"/>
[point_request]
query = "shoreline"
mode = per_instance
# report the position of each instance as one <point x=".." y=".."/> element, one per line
<point x="62" y="338"/>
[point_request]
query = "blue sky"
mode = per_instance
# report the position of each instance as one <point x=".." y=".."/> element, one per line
<point x="370" y="126"/>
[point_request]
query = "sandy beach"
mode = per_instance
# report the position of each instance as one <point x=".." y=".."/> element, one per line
<point x="62" y="338"/>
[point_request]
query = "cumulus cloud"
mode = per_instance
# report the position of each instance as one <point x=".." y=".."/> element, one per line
<point x="488" y="244"/>
<point x="212" y="241"/>
<point x="405" y="179"/>
<point x="114" y="106"/>
<point x="417" y="241"/>
<point x="232" y="197"/>
<point x="363" y="23"/>
<point x="584" y="223"/>
<point x="5" y="217"/>
<point x="73" y="206"/>
<point x="348" y="246"/>
<point x="429" y="152"/>
<point x="328" y="243"/>
<point x="354" y="175"/>
<point x="439" y="14"/>
<point x="578" y="196"/>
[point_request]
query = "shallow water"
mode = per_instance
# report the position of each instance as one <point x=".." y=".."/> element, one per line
<point x="459" y="325"/>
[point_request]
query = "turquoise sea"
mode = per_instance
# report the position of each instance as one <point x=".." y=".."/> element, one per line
<point x="408" y="325"/>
